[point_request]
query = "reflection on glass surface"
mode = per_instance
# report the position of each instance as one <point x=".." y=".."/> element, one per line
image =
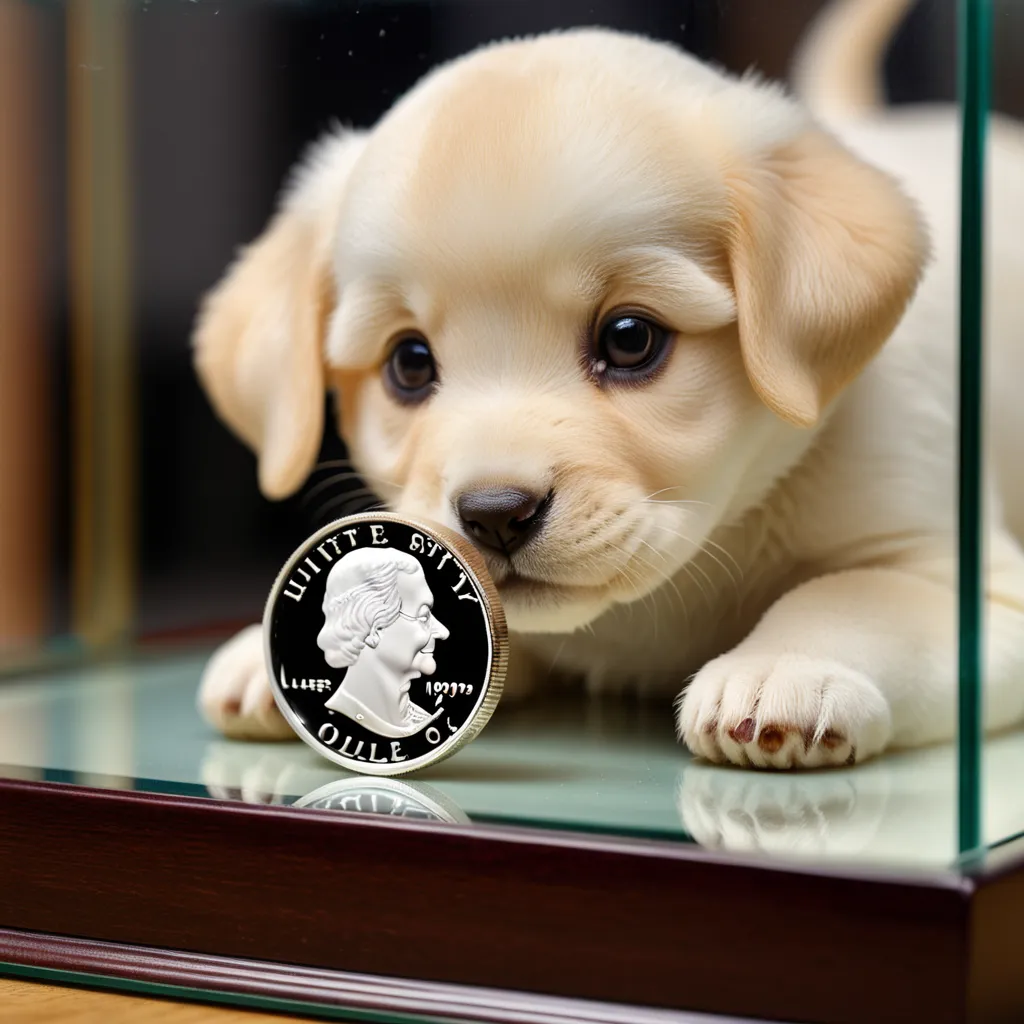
<point x="607" y="767"/>
<point x="392" y="798"/>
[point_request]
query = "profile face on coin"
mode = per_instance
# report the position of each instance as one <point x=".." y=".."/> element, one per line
<point x="385" y="643"/>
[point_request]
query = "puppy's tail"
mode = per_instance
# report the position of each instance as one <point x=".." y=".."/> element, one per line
<point x="837" y="68"/>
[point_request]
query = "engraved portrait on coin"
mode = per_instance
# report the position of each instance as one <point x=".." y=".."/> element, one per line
<point x="385" y="642"/>
<point x="383" y="647"/>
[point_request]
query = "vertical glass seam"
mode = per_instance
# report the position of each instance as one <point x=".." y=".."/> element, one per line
<point x="974" y="46"/>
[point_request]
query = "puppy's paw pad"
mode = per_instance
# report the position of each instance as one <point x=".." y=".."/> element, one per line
<point x="783" y="711"/>
<point x="235" y="695"/>
<point x="771" y="738"/>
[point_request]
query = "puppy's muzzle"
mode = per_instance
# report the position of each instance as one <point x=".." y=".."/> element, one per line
<point x="501" y="518"/>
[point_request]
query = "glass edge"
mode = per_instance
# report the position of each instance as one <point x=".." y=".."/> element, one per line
<point x="974" y="60"/>
<point x="196" y="790"/>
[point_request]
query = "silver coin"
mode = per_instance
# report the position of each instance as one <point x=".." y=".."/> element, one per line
<point x="386" y="643"/>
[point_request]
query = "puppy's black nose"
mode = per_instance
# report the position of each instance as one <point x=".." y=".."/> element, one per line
<point x="502" y="518"/>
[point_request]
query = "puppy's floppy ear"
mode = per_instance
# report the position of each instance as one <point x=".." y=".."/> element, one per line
<point x="259" y="336"/>
<point x="825" y="253"/>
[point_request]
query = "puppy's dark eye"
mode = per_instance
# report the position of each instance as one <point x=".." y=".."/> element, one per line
<point x="410" y="370"/>
<point x="628" y="344"/>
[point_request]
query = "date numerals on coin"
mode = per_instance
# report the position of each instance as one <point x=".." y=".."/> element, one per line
<point x="441" y="690"/>
<point x="320" y="685"/>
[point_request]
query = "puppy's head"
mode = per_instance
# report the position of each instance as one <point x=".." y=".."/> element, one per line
<point x="581" y="297"/>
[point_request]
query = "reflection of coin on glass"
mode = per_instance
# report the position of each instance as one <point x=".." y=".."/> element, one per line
<point x="379" y="624"/>
<point x="388" y="797"/>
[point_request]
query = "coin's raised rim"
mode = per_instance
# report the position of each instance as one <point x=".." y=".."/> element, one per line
<point x="497" y="643"/>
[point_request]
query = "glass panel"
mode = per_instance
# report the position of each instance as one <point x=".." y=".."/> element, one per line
<point x="153" y="138"/>
<point x="1003" y="321"/>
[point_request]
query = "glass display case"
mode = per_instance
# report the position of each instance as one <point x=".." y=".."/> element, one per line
<point x="576" y="861"/>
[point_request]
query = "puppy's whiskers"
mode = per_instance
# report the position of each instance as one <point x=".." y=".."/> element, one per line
<point x="630" y="578"/>
<point x="680" y="501"/>
<point x="355" y="496"/>
<point x="554" y="660"/>
<point x="666" y="577"/>
<point x="660" y="574"/>
<point x="696" y="567"/>
<point x="351" y="503"/>
<point x="702" y="550"/>
<point x="686" y="567"/>
<point x="728" y="554"/>
<point x="327" y="483"/>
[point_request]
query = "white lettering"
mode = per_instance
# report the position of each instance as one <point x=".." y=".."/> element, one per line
<point x="395" y="748"/>
<point x="435" y="739"/>
<point x="327" y="557"/>
<point x="326" y="730"/>
<point x="444" y="559"/>
<point x="333" y="541"/>
<point x="377" y="531"/>
<point x="373" y="755"/>
<point x="458" y="586"/>
<point x="313" y="565"/>
<point x="416" y="544"/>
<point x="351" y="534"/>
<point x="344" y="746"/>
<point x="299" y="588"/>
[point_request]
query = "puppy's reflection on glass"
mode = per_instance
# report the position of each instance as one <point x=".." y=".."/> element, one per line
<point x="379" y="624"/>
<point x="262" y="773"/>
<point x="898" y="809"/>
<point x="822" y="814"/>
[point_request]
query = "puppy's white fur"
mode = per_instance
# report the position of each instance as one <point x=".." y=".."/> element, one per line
<point x="774" y="511"/>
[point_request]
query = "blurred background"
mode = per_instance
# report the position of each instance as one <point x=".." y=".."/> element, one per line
<point x="140" y="144"/>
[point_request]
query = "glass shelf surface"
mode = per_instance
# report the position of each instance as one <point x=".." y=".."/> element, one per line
<point x="575" y="763"/>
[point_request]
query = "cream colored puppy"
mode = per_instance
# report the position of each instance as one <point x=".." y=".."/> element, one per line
<point x="620" y="318"/>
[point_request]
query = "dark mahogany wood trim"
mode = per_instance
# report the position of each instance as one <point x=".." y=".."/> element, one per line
<point x="302" y="989"/>
<point x="995" y="966"/>
<point x="646" y="923"/>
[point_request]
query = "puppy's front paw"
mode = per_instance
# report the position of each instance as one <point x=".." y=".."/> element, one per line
<point x="235" y="695"/>
<point x="783" y="711"/>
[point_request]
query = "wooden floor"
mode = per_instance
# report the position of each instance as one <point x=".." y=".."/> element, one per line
<point x="28" y="1002"/>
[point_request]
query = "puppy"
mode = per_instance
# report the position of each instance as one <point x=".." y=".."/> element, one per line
<point x="679" y="360"/>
